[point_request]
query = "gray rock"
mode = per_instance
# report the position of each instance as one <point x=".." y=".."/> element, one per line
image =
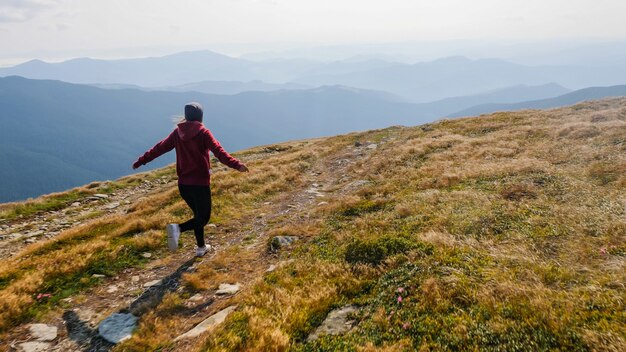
<point x="76" y="204"/>
<point x="228" y="289"/>
<point x="101" y="196"/>
<point x="207" y="324"/>
<point x="112" y="289"/>
<point x="279" y="242"/>
<point x="43" y="332"/>
<point x="271" y="268"/>
<point x="117" y="327"/>
<point x="372" y="146"/>
<point x="34" y="346"/>
<point x="335" y="323"/>
<point x="112" y="206"/>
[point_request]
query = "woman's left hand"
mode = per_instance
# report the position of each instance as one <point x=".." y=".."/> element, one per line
<point x="243" y="168"/>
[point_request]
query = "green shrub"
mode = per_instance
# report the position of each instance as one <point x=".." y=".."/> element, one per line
<point x="373" y="252"/>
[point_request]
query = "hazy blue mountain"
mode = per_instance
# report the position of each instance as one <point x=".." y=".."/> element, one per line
<point x="563" y="100"/>
<point x="213" y="87"/>
<point x="179" y="69"/>
<point x="233" y="87"/>
<point x="512" y="94"/>
<point x="57" y="135"/>
<point x="419" y="82"/>
<point x="459" y="76"/>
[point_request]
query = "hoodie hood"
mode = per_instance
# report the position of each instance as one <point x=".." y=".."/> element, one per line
<point x="189" y="129"/>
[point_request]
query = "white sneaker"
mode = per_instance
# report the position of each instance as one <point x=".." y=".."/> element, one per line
<point x="201" y="251"/>
<point x="173" y="234"/>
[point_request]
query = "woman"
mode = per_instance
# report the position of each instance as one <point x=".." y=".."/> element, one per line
<point x="193" y="143"/>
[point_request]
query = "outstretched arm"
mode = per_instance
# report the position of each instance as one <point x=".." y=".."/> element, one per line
<point x="159" y="149"/>
<point x="221" y="154"/>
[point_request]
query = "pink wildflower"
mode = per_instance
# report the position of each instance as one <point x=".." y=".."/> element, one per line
<point x="603" y="251"/>
<point x="400" y="289"/>
<point x="399" y="299"/>
<point x="406" y="326"/>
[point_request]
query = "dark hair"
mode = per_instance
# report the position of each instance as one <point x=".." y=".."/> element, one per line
<point x="193" y="112"/>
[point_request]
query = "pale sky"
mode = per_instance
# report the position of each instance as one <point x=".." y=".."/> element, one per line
<point x="69" y="28"/>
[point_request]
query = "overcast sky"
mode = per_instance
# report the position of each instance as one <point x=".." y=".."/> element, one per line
<point x="67" y="28"/>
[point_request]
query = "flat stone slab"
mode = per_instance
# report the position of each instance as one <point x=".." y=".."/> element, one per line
<point x="227" y="289"/>
<point x="207" y="324"/>
<point x="34" y="346"/>
<point x="152" y="283"/>
<point x="43" y="332"/>
<point x="335" y="323"/>
<point x="117" y="327"/>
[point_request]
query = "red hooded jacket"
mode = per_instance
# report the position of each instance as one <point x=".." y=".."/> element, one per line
<point x="193" y="143"/>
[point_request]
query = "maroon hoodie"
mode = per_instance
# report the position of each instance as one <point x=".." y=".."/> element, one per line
<point x="193" y="143"/>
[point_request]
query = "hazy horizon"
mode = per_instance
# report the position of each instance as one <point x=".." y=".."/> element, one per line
<point x="531" y="32"/>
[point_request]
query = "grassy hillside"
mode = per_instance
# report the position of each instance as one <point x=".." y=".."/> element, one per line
<point x="503" y="232"/>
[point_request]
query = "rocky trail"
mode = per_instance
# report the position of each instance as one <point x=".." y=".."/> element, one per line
<point x="123" y="299"/>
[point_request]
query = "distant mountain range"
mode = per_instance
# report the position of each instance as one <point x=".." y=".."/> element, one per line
<point x="562" y="100"/>
<point x="57" y="135"/>
<point x="459" y="76"/>
<point x="419" y="82"/>
<point x="214" y="87"/>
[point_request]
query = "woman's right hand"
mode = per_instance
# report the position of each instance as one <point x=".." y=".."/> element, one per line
<point x="243" y="168"/>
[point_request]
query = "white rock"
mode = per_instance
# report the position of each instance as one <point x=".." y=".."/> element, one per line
<point x="117" y="327"/>
<point x="372" y="146"/>
<point x="267" y="203"/>
<point x="212" y="225"/>
<point x="97" y="275"/>
<point x="152" y="283"/>
<point x="135" y="278"/>
<point x="197" y="297"/>
<point x="43" y="332"/>
<point x="207" y="324"/>
<point x="322" y="203"/>
<point x="271" y="268"/>
<point x="34" y="346"/>
<point x="101" y="196"/>
<point x="228" y="289"/>
<point x="146" y="254"/>
<point x="76" y="204"/>
<point x="112" y="289"/>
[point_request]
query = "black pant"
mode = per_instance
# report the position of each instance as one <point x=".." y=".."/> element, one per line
<point x="198" y="198"/>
